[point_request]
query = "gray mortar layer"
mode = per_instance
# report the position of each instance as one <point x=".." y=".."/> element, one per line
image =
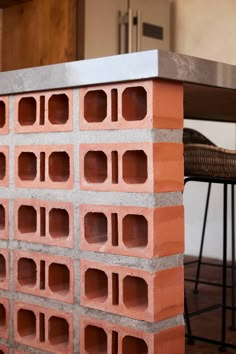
<point x="77" y="197"/>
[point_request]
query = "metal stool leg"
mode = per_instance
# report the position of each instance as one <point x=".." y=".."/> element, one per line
<point x="233" y="327"/>
<point x="187" y="321"/>
<point x="223" y="347"/>
<point x="202" y="239"/>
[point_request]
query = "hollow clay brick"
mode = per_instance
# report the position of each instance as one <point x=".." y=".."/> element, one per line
<point x="4" y="317"/>
<point x="132" y="167"/>
<point x="136" y="105"/>
<point x="4" y="269"/>
<point x="4" y="219"/>
<point x="132" y="292"/>
<point x="49" y="111"/>
<point x="44" y="166"/>
<point x="97" y="336"/>
<point x="44" y="275"/>
<point x="4" y="166"/>
<point x="4" y="115"/>
<point x="43" y="221"/>
<point x="43" y="328"/>
<point x="132" y="231"/>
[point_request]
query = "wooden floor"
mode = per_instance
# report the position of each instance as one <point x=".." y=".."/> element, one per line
<point x="208" y="324"/>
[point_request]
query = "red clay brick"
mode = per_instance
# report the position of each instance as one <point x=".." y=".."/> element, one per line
<point x="98" y="336"/>
<point x="4" y="268"/>
<point x="4" y="317"/>
<point x="132" y="231"/>
<point x="4" y="166"/>
<point x="136" y="105"/>
<point x="44" y="221"/>
<point x="4" y="115"/>
<point x="4" y="219"/>
<point x="44" y="275"/>
<point x="44" y="166"/>
<point x="132" y="292"/>
<point x="4" y="349"/>
<point x="43" y="328"/>
<point x="44" y="112"/>
<point x="146" y="167"/>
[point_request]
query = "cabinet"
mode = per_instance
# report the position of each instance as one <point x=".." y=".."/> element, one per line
<point x="120" y="26"/>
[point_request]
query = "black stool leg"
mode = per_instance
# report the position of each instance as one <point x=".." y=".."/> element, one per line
<point x="187" y="321"/>
<point x="233" y="327"/>
<point x="202" y="240"/>
<point x="223" y="347"/>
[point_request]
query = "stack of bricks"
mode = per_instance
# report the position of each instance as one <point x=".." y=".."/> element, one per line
<point x="91" y="220"/>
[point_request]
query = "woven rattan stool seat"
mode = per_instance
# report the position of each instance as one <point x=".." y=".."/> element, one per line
<point x="205" y="159"/>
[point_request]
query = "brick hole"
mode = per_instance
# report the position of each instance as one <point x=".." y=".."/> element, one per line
<point x="96" y="285"/>
<point x="95" y="340"/>
<point x="41" y="327"/>
<point x="42" y="110"/>
<point x="2" y="114"/>
<point x="135" y="231"/>
<point x="27" y="166"/>
<point x="114" y="230"/>
<point x="2" y="316"/>
<point x="95" y="167"/>
<point x="3" y="267"/>
<point x="42" y="275"/>
<point x="135" y="167"/>
<point x="95" y="225"/>
<point x="27" y="272"/>
<point x="42" y="222"/>
<point x="59" y="166"/>
<point x="59" y="278"/>
<point x="42" y="166"/>
<point x="114" y="163"/>
<point x="58" y="331"/>
<point x="135" y="293"/>
<point x="114" y="342"/>
<point x="2" y="166"/>
<point x="95" y="106"/>
<point x="134" y="345"/>
<point x="2" y="217"/>
<point x="59" y="223"/>
<point x="58" y="109"/>
<point x="27" y="111"/>
<point x="114" y="105"/>
<point x="134" y="103"/>
<point x="2" y="352"/>
<point x="27" y="219"/>
<point x="26" y="323"/>
<point x="115" y="289"/>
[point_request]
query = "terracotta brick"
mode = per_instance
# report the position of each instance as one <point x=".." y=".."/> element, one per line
<point x="44" y="166"/>
<point x="4" y="349"/>
<point x="44" y="275"/>
<point x="4" y="166"/>
<point x="20" y="352"/>
<point x="45" y="222"/>
<point x="132" y="292"/>
<point x="4" y="115"/>
<point x="98" y="336"/>
<point x="4" y="317"/>
<point x="132" y="231"/>
<point x="4" y="269"/>
<point x="43" y="328"/>
<point x="135" y="105"/>
<point x="44" y="112"/>
<point x="146" y="167"/>
<point x="4" y="219"/>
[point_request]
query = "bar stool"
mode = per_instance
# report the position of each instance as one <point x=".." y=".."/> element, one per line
<point x="205" y="162"/>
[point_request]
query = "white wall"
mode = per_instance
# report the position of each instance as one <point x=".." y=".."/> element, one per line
<point x="206" y="28"/>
